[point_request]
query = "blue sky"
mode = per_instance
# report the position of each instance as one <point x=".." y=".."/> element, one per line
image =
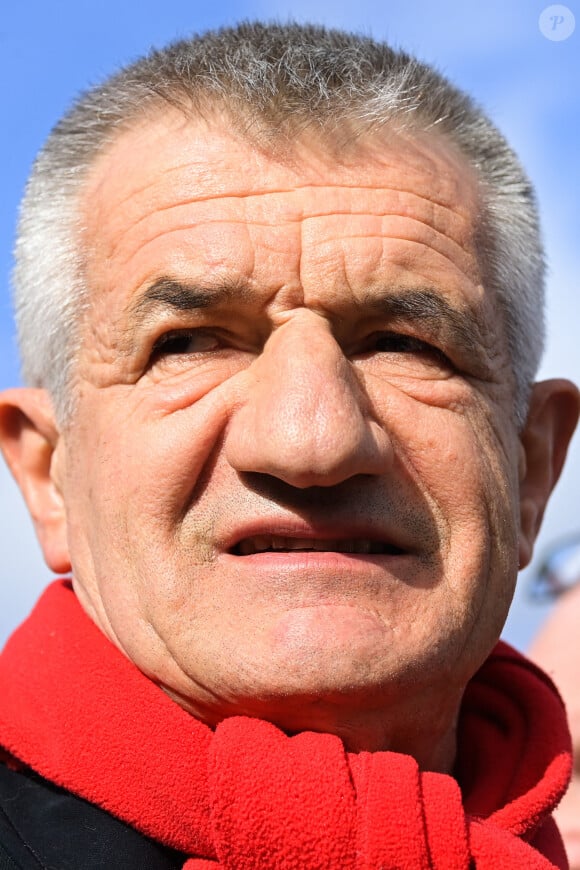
<point x="529" y="84"/>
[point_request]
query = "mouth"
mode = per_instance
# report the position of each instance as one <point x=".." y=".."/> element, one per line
<point x="280" y="544"/>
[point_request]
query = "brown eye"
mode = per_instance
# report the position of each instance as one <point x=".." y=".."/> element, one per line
<point x="392" y="342"/>
<point x="185" y="342"/>
<point x="395" y="342"/>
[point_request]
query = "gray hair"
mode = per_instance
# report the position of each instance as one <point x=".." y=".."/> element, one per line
<point x="274" y="82"/>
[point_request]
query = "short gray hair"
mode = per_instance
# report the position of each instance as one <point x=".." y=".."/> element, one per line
<point x="273" y="81"/>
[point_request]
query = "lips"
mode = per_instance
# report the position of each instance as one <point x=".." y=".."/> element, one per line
<point x="254" y="544"/>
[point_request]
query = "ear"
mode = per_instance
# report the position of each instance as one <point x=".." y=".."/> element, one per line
<point x="552" y="418"/>
<point x="32" y="447"/>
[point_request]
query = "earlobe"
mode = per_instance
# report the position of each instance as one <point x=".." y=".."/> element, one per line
<point x="31" y="443"/>
<point x="552" y="418"/>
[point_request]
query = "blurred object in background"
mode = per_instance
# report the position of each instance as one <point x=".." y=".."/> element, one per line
<point x="556" y="649"/>
<point x="559" y="570"/>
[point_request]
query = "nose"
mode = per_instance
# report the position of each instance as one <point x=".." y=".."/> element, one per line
<point x="306" y="419"/>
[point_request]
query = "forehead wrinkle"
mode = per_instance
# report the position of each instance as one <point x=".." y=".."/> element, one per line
<point x="445" y="203"/>
<point x="183" y="203"/>
<point x="151" y="184"/>
<point x="441" y="238"/>
<point x="450" y="234"/>
<point x="165" y="232"/>
<point x="209" y="173"/>
<point x="467" y="267"/>
<point x="430" y="224"/>
<point x="394" y="251"/>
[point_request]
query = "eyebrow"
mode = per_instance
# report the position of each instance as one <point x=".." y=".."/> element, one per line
<point x="167" y="293"/>
<point x="427" y="306"/>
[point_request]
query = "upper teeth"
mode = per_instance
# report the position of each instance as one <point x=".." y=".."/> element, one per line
<point x="260" y="543"/>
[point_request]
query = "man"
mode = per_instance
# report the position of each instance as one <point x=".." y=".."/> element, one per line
<point x="556" y="649"/>
<point x="279" y="293"/>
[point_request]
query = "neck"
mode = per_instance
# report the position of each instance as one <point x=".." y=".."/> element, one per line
<point x="426" y="731"/>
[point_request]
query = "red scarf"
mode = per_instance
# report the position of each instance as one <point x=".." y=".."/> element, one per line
<point x="248" y="797"/>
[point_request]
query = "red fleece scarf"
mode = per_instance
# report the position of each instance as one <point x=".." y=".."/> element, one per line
<point x="247" y="797"/>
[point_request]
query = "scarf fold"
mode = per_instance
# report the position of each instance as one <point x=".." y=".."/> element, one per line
<point x="247" y="797"/>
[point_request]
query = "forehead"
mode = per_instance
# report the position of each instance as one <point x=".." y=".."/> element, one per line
<point x="173" y="194"/>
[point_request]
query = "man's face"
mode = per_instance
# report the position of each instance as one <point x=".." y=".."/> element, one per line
<point x="291" y="481"/>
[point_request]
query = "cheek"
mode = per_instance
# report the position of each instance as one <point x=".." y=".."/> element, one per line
<point x="460" y="462"/>
<point x="142" y="459"/>
<point x="148" y="483"/>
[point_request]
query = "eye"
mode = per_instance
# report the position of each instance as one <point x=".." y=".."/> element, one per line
<point x="184" y="341"/>
<point x="408" y="345"/>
